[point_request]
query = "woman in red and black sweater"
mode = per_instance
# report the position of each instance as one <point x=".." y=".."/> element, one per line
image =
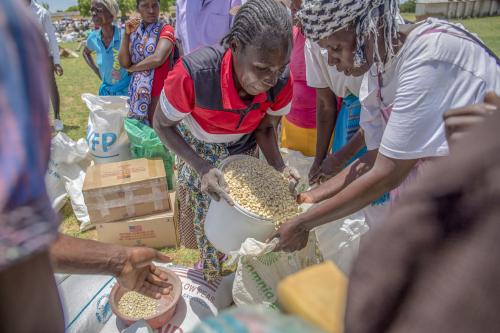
<point x="226" y="100"/>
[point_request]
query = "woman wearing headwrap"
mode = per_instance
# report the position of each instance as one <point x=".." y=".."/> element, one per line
<point x="105" y="42"/>
<point x="147" y="52"/>
<point x="414" y="73"/>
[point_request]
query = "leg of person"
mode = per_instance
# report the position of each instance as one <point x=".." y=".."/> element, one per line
<point x="152" y="109"/>
<point x="210" y="256"/>
<point x="55" y="99"/>
<point x="29" y="301"/>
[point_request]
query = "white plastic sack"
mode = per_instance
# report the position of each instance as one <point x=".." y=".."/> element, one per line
<point x="300" y="162"/>
<point x="199" y="300"/>
<point x="260" y="270"/>
<point x="54" y="184"/>
<point x="85" y="301"/>
<point x="68" y="162"/>
<point x="339" y="240"/>
<point x="106" y="136"/>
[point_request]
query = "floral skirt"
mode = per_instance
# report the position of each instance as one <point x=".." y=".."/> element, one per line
<point x="195" y="203"/>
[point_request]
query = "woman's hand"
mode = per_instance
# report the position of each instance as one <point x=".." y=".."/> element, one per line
<point x="315" y="172"/>
<point x="330" y="167"/>
<point x="140" y="274"/>
<point x="292" y="237"/>
<point x="293" y="177"/>
<point x="132" y="25"/>
<point x="305" y="197"/>
<point x="458" y="122"/>
<point x="214" y="184"/>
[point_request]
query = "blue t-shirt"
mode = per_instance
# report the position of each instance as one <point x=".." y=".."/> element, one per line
<point x="115" y="79"/>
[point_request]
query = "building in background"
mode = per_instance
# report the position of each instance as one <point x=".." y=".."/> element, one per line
<point x="457" y="8"/>
<point x="59" y="16"/>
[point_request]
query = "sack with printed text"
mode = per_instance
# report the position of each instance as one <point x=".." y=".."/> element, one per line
<point x="106" y="136"/>
<point x="260" y="270"/>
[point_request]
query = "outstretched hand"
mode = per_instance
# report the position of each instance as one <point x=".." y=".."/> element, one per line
<point x="458" y="122"/>
<point x="292" y="237"/>
<point x="141" y="275"/>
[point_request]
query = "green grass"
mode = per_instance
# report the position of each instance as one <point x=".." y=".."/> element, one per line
<point x="488" y="29"/>
<point x="78" y="79"/>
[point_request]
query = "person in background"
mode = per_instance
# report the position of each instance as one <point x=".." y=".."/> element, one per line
<point x="43" y="16"/>
<point x="105" y="43"/>
<point x="249" y="88"/>
<point x="145" y="51"/>
<point x="432" y="267"/>
<point x="414" y="74"/>
<point x="28" y="225"/>
<point x="202" y="22"/>
<point x="343" y="124"/>
<point x="298" y="128"/>
<point x="30" y="245"/>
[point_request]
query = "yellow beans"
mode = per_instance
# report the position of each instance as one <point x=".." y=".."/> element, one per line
<point x="137" y="306"/>
<point x="260" y="189"/>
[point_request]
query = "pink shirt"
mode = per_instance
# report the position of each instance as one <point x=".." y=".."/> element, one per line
<point x="303" y="110"/>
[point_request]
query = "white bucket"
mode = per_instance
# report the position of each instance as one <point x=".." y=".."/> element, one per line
<point x="227" y="227"/>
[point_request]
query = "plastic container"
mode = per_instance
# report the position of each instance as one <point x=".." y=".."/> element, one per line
<point x="166" y="308"/>
<point x="227" y="227"/>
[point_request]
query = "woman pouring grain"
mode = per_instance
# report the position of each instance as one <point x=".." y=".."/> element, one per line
<point x="226" y="100"/>
<point x="415" y="73"/>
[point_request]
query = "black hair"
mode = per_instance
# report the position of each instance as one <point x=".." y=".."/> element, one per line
<point x="259" y="18"/>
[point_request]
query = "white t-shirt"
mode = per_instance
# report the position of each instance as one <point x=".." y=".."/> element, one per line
<point x="321" y="75"/>
<point x="431" y="74"/>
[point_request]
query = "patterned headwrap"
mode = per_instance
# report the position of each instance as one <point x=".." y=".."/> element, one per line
<point x="321" y="18"/>
<point x="111" y="6"/>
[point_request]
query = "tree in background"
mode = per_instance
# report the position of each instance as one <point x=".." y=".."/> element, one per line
<point x="72" y="9"/>
<point x="166" y="4"/>
<point x="408" y="7"/>
<point x="126" y="6"/>
<point x="45" y="5"/>
<point x="84" y="7"/>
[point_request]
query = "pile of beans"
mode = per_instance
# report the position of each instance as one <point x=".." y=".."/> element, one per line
<point x="137" y="306"/>
<point x="260" y="189"/>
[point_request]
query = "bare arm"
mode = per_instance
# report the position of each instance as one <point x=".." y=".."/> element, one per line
<point x="335" y="163"/>
<point x="268" y="142"/>
<point x="336" y="184"/>
<point x="79" y="256"/>
<point x="326" y="114"/>
<point x="168" y="134"/>
<point x="132" y="266"/>
<point x="87" y="55"/>
<point x="354" y="145"/>
<point x="162" y="52"/>
<point x="124" y="54"/>
<point x="386" y="174"/>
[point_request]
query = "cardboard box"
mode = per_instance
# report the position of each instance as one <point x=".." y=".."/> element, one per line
<point x="157" y="230"/>
<point x="123" y="190"/>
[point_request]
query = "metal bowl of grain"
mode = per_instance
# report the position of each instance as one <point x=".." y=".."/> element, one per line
<point x="131" y="306"/>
